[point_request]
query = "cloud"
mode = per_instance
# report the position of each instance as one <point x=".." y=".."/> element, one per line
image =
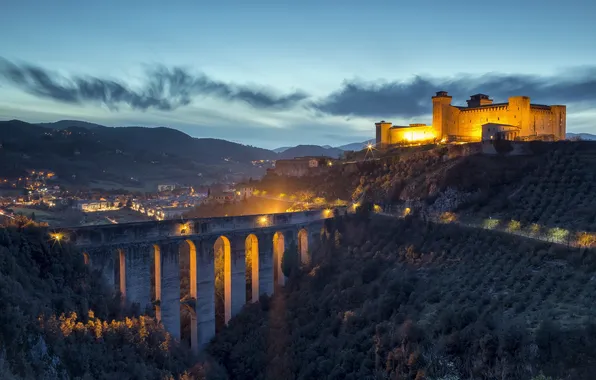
<point x="167" y="89"/>
<point x="164" y="89"/>
<point x="412" y="98"/>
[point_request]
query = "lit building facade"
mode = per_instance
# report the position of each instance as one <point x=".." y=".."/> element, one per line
<point x="522" y="120"/>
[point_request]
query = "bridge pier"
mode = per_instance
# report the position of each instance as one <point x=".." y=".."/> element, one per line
<point x="138" y="275"/>
<point x="170" y="292"/>
<point x="265" y="263"/>
<point x="206" y="292"/>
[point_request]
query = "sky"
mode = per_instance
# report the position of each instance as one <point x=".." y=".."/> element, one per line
<point x="279" y="73"/>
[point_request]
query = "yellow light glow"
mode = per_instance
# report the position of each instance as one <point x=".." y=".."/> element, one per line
<point x="377" y="208"/>
<point x="57" y="236"/>
<point x="356" y="205"/>
<point x="237" y="193"/>
<point x="263" y="220"/>
<point x="184" y="228"/>
<point x="327" y="212"/>
<point x="418" y="136"/>
<point x="407" y="211"/>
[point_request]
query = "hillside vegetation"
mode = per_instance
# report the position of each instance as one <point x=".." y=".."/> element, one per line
<point x="58" y="320"/>
<point x="553" y="187"/>
<point x="404" y="299"/>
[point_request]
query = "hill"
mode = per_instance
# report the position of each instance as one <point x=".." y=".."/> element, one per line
<point x="310" y="150"/>
<point x="63" y="124"/>
<point x="553" y="187"/>
<point x="405" y="299"/>
<point x="281" y="149"/>
<point x="325" y="148"/>
<point x="356" y="146"/>
<point x="133" y="157"/>
<point x="583" y="136"/>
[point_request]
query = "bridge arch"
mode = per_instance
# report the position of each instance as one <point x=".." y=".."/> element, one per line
<point x="279" y="247"/>
<point x="251" y="247"/>
<point x="223" y="282"/>
<point x="187" y="251"/>
<point x="156" y="277"/>
<point x="303" y="246"/>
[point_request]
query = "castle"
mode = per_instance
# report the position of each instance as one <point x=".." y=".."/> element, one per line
<point x="482" y="119"/>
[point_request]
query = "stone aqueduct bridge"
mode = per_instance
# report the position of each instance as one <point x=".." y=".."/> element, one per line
<point x="171" y="265"/>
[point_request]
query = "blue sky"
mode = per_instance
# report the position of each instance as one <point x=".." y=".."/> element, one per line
<point x="273" y="73"/>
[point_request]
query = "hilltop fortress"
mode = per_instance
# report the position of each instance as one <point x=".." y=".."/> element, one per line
<point x="518" y="119"/>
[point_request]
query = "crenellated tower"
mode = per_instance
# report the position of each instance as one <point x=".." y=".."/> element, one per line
<point x="383" y="133"/>
<point x="441" y="104"/>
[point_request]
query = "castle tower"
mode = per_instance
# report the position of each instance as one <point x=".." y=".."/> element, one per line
<point x="441" y="103"/>
<point x="519" y="108"/>
<point x="559" y="121"/>
<point x="383" y="134"/>
<point x="479" y="100"/>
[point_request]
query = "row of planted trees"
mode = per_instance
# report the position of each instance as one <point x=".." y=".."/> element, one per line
<point x="579" y="239"/>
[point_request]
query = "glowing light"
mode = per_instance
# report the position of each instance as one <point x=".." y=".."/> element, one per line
<point x="407" y="211"/>
<point x="263" y="220"/>
<point x="369" y="146"/>
<point x="57" y="237"/>
<point x="237" y="193"/>
<point x="184" y="228"/>
<point x="356" y="205"/>
<point x="377" y="208"/>
<point x="327" y="212"/>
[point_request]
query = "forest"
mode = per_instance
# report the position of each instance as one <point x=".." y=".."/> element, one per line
<point x="388" y="298"/>
<point x="59" y="320"/>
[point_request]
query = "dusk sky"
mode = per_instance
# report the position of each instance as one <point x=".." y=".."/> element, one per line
<point x="275" y="73"/>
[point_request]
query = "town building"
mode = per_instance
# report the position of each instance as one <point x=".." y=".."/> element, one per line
<point x="165" y="187"/>
<point x="222" y="197"/>
<point x="518" y="119"/>
<point x="95" y="206"/>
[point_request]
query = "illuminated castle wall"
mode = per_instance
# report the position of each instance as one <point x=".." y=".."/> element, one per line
<point x="453" y="123"/>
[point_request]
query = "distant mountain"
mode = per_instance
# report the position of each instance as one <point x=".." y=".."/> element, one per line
<point x="356" y="146"/>
<point x="326" y="150"/>
<point x="62" y="124"/>
<point x="131" y="156"/>
<point x="310" y="150"/>
<point x="583" y="136"/>
<point x="281" y="149"/>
